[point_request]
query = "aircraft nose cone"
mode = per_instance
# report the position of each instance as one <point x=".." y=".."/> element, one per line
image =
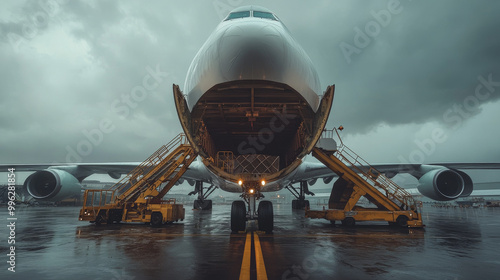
<point x="251" y="52"/>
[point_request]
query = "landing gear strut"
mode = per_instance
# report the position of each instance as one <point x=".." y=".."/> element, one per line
<point x="300" y="202"/>
<point x="263" y="214"/>
<point x="202" y="203"/>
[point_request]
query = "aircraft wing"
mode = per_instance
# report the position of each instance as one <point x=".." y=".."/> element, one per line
<point x="54" y="182"/>
<point x="78" y="170"/>
<point x="480" y="193"/>
<point x="469" y="165"/>
<point x="122" y="167"/>
<point x="311" y="171"/>
<point x="445" y="181"/>
<point x="115" y="170"/>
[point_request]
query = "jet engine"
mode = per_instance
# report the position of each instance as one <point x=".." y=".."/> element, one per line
<point x="52" y="185"/>
<point x="445" y="184"/>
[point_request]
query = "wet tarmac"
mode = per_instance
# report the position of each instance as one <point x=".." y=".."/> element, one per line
<point x="52" y="244"/>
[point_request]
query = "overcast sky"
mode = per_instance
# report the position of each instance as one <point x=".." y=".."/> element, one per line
<point x="405" y="74"/>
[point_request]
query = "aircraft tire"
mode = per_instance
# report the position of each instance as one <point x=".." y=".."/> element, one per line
<point x="238" y="216"/>
<point x="300" y="204"/>
<point x="202" y="204"/>
<point x="306" y="204"/>
<point x="265" y="219"/>
<point x="207" y="205"/>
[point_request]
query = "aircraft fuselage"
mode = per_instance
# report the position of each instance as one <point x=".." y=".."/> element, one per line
<point x="251" y="107"/>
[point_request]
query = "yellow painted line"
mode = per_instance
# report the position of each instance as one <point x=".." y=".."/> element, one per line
<point x="259" y="260"/>
<point x="245" y="264"/>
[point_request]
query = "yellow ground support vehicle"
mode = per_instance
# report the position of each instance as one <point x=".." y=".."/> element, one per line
<point x="138" y="196"/>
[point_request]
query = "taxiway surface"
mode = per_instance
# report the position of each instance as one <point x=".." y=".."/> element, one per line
<point x="52" y="244"/>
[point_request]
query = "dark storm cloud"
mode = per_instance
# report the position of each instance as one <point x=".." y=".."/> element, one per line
<point x="86" y="56"/>
<point x="426" y="60"/>
<point x="62" y="81"/>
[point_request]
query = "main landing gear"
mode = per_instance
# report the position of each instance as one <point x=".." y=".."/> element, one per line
<point x="300" y="202"/>
<point x="241" y="214"/>
<point x="202" y="203"/>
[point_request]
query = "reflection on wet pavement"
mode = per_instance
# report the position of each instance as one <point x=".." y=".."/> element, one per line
<point x="456" y="244"/>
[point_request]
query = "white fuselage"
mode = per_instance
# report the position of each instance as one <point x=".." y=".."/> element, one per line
<point x="250" y="49"/>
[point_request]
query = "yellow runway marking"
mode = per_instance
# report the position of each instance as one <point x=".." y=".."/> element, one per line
<point x="245" y="264"/>
<point x="259" y="260"/>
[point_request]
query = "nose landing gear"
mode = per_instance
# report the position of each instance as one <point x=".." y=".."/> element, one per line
<point x="263" y="214"/>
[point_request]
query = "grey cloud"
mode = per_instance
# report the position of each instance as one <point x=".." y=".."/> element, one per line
<point x="425" y="61"/>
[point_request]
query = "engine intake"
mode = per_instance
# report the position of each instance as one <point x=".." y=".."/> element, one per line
<point x="52" y="185"/>
<point x="443" y="184"/>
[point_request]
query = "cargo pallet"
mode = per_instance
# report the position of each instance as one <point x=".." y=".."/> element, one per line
<point x="359" y="179"/>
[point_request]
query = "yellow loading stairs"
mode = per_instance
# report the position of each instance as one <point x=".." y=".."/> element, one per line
<point x="356" y="179"/>
<point x="138" y="196"/>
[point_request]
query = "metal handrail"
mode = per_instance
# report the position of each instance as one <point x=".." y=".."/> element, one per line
<point x="361" y="166"/>
<point x="147" y="165"/>
<point x="96" y="200"/>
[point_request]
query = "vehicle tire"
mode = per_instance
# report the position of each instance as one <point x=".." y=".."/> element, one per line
<point x="349" y="222"/>
<point x="98" y="220"/>
<point x="156" y="219"/>
<point x="265" y="218"/>
<point x="101" y="218"/>
<point x="115" y="216"/>
<point x="238" y="216"/>
<point x="402" y="221"/>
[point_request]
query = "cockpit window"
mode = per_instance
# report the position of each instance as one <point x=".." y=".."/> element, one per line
<point x="258" y="14"/>
<point x="238" y="15"/>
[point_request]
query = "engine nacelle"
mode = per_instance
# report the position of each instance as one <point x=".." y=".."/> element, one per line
<point x="52" y="185"/>
<point x="442" y="184"/>
<point x="468" y="185"/>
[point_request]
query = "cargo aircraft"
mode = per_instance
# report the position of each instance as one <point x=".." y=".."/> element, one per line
<point x="252" y="108"/>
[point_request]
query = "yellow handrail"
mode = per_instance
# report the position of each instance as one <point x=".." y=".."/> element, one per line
<point x="368" y="172"/>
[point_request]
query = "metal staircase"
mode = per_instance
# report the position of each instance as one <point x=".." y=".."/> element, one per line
<point x="166" y="165"/>
<point x="138" y="196"/>
<point x="358" y="178"/>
